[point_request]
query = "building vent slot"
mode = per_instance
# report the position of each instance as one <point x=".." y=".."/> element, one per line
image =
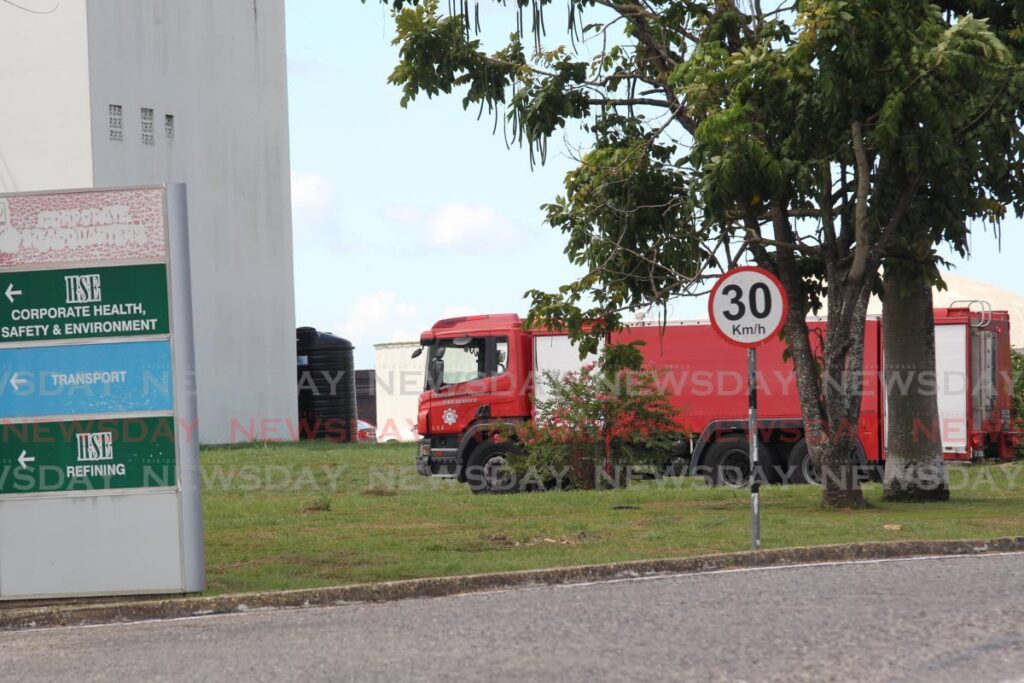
<point x="147" y="127"/>
<point x="116" y="121"/>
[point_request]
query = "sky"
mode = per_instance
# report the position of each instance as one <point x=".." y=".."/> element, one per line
<point x="402" y="217"/>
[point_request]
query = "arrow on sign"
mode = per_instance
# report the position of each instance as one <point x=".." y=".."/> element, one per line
<point x="12" y="292"/>
<point x="17" y="382"/>
<point x="24" y="459"/>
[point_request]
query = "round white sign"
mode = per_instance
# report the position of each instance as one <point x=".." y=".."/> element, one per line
<point x="748" y="306"/>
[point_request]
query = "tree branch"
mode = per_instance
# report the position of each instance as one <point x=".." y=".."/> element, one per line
<point x="860" y="227"/>
<point x="629" y="101"/>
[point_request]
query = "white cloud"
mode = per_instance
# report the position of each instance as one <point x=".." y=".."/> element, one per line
<point x="311" y="192"/>
<point x="469" y="228"/>
<point x="403" y="214"/>
<point x="458" y="227"/>
<point x="313" y="206"/>
<point x="380" y="317"/>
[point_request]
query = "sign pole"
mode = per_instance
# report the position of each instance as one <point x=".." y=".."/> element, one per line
<point x="755" y="470"/>
<point x="748" y="307"/>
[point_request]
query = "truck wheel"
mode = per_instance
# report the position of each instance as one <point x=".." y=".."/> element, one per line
<point x="490" y="471"/>
<point x="728" y="464"/>
<point x="802" y="469"/>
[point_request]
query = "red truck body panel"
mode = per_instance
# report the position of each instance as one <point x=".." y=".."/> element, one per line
<point x="706" y="378"/>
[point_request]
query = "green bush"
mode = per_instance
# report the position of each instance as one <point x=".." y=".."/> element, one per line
<point x="598" y="426"/>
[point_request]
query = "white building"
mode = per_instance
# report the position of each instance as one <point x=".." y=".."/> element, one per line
<point x="399" y="379"/>
<point x="106" y="93"/>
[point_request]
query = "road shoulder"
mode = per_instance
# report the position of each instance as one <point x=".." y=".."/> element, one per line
<point x="21" y="615"/>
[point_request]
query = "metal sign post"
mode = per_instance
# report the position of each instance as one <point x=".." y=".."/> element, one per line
<point x="755" y="469"/>
<point x="747" y="307"/>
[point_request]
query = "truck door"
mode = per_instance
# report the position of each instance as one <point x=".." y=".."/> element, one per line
<point x="953" y="380"/>
<point x="473" y="372"/>
<point x="984" y="378"/>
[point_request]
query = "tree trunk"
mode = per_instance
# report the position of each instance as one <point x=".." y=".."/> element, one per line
<point x="843" y="383"/>
<point x="831" y="449"/>
<point x="914" y="465"/>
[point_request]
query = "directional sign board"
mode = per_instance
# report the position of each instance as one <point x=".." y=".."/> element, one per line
<point x="748" y="306"/>
<point x="99" y="483"/>
<point x="87" y="455"/>
<point x="50" y="305"/>
<point x="82" y="379"/>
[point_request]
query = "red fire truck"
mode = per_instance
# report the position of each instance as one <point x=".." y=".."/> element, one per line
<point x="485" y="373"/>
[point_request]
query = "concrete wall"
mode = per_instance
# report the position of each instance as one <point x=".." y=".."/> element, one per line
<point x="44" y="99"/>
<point x="219" y="68"/>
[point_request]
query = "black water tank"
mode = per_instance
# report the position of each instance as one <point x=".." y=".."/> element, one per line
<point x="327" y="386"/>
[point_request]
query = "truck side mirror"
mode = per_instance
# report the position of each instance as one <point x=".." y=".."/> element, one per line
<point x="418" y="352"/>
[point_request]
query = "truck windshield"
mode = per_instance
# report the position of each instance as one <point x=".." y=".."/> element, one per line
<point x="467" y="359"/>
<point x="465" y="362"/>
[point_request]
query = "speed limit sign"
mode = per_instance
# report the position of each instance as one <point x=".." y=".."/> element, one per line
<point x="748" y="306"/>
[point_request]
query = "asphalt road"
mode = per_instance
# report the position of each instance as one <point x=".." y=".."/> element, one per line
<point x="947" y="619"/>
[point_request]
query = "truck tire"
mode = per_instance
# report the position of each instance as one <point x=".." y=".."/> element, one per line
<point x="489" y="470"/>
<point x="801" y="468"/>
<point x="727" y="463"/>
<point x="803" y="471"/>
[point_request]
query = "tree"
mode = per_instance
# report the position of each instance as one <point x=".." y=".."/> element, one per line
<point x="972" y="179"/>
<point x="802" y="137"/>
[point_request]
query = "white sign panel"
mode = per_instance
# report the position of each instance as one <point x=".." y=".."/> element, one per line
<point x="748" y="306"/>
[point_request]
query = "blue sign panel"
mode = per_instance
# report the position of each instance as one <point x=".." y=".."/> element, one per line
<point x="86" y="379"/>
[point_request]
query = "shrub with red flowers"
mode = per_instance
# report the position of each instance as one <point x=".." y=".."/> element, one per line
<point x="596" y="426"/>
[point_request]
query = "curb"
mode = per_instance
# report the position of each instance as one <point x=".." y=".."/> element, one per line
<point x="16" y="617"/>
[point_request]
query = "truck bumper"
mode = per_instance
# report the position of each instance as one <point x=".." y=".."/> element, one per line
<point x="435" y="463"/>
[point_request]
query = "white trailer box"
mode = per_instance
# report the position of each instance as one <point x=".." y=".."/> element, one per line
<point x="555" y="353"/>
<point x="399" y="380"/>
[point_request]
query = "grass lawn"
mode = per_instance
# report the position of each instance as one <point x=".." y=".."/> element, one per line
<point x="283" y="516"/>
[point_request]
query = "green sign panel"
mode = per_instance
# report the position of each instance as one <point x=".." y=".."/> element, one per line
<point x="87" y="455"/>
<point x="120" y="301"/>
